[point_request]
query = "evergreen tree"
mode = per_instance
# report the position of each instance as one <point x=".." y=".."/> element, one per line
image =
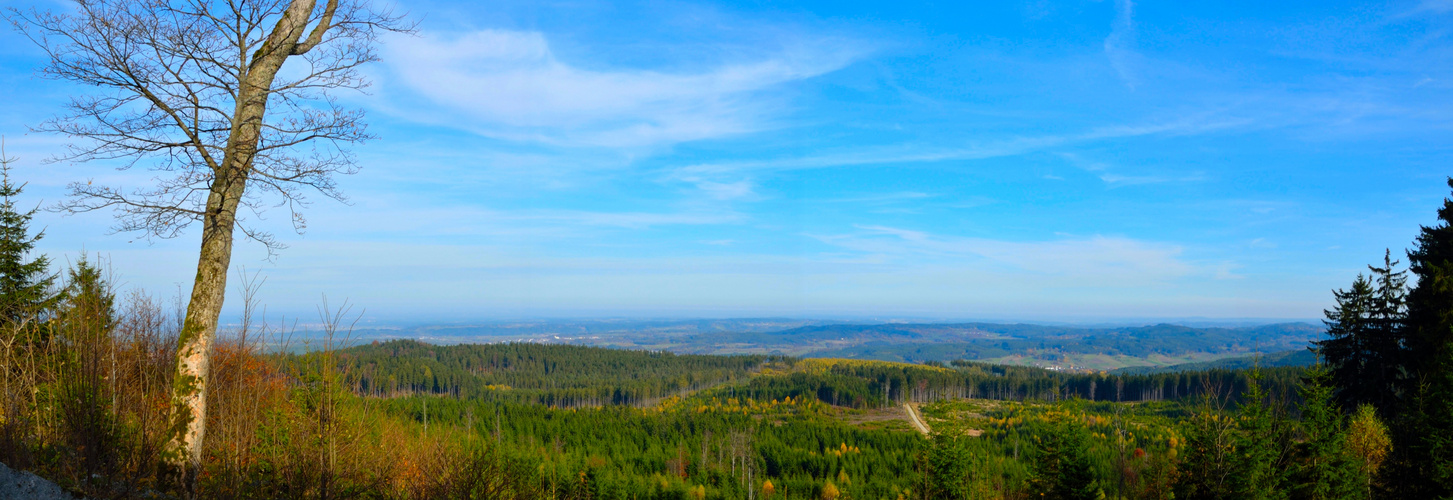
<point x="1365" y="351"/>
<point x="1349" y="326"/>
<point x="951" y="468"/>
<point x="25" y="286"/>
<point x="1430" y="303"/>
<point x="1423" y="437"/>
<point x="1389" y="370"/>
<point x="1259" y="470"/>
<point x="1062" y="468"/>
<point x="1209" y="455"/>
<point x="86" y="309"/>
<point x="1325" y="469"/>
<point x="1422" y="456"/>
<point x="83" y="325"/>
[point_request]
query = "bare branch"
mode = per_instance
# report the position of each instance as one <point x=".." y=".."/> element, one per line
<point x="173" y="75"/>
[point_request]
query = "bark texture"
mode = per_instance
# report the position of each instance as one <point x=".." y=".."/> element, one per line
<point x="199" y="330"/>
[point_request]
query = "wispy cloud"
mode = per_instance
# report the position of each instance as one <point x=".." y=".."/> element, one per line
<point x="719" y="190"/>
<point x="1435" y="6"/>
<point x="1120" y="45"/>
<point x="632" y="220"/>
<point x="883" y="198"/>
<point x="1122" y="260"/>
<point x="1013" y="146"/>
<point x="511" y="85"/>
<point x="387" y="218"/>
<point x="1103" y="170"/>
<point x="1115" y="180"/>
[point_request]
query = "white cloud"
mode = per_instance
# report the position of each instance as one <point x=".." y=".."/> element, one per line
<point x="511" y="85"/>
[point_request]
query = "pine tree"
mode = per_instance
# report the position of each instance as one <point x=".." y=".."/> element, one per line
<point x="1063" y="469"/>
<point x="951" y="469"/>
<point x="86" y="308"/>
<point x="1423" y="435"/>
<point x="1209" y="453"/>
<point x="1388" y="342"/>
<point x="1365" y="351"/>
<point x="1258" y="469"/>
<point x="1430" y="303"/>
<point x="83" y="325"/>
<point x="25" y="286"/>
<point x="1349" y="326"/>
<point x="1325" y="469"/>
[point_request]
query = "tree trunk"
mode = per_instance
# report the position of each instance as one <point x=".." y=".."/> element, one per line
<point x="194" y="343"/>
<point x="188" y="415"/>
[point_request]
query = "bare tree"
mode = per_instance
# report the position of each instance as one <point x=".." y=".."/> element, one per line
<point x="215" y="96"/>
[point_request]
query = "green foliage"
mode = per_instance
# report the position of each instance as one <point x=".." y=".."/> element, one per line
<point x="1259" y="468"/>
<point x="1301" y="357"/>
<point x="1209" y="454"/>
<point x="1062" y="464"/>
<point x="1325" y="468"/>
<point x="869" y="385"/>
<point x="647" y="453"/>
<point x="552" y="375"/>
<point x="952" y="470"/>
<point x="1422" y="464"/>
<point x="1241" y="454"/>
<point x="1365" y="347"/>
<point x="25" y="285"/>
<point x="87" y="304"/>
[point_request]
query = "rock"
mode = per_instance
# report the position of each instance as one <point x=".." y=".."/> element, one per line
<point x="17" y="485"/>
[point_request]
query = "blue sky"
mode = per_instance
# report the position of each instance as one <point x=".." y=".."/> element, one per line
<point x="1035" y="160"/>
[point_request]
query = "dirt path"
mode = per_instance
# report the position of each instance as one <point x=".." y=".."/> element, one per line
<point x="913" y="417"/>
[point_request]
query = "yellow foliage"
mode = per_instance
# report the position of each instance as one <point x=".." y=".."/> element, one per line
<point x="1368" y="439"/>
<point x="820" y="365"/>
<point x="830" y="492"/>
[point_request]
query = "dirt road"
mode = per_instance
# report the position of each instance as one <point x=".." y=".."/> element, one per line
<point x="914" y="418"/>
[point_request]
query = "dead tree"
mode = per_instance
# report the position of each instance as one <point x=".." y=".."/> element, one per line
<point x="232" y="104"/>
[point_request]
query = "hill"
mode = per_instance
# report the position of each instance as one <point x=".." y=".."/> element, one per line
<point x="1059" y="347"/>
<point x="1300" y="357"/>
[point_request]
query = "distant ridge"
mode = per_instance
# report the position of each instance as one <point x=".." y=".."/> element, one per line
<point x="1301" y="357"/>
<point x="1059" y="347"/>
